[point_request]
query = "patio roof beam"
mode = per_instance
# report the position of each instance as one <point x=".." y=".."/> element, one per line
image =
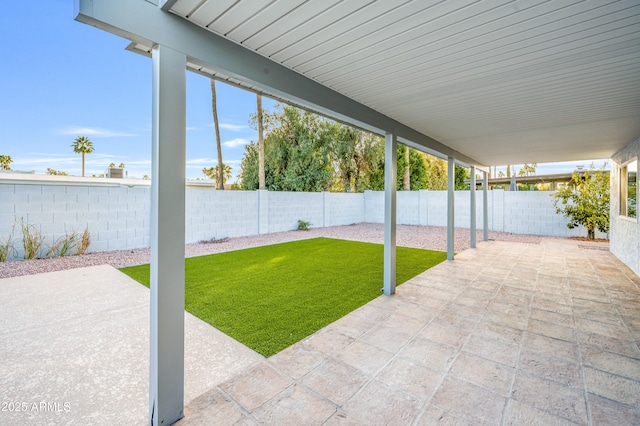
<point x="145" y="23"/>
<point x="390" y="186"/>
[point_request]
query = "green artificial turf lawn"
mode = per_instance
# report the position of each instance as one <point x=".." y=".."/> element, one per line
<point x="271" y="297"/>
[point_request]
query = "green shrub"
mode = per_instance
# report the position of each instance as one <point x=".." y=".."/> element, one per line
<point x="303" y="226"/>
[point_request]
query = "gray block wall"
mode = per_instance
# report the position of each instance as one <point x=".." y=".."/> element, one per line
<point x="118" y="215"/>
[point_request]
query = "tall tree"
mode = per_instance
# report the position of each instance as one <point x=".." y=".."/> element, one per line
<point x="261" y="176"/>
<point x="417" y="169"/>
<point x="249" y="175"/>
<point x="5" y="161"/>
<point x="344" y="153"/>
<point x="357" y="158"/>
<point x="461" y="174"/>
<point x="296" y="153"/>
<point x="585" y="201"/>
<point x="214" y="109"/>
<point x="436" y="173"/>
<point x="407" y="170"/>
<point x="82" y="145"/>
<point x="419" y="172"/>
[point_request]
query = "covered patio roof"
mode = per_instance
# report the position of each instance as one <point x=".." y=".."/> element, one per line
<point x="500" y="82"/>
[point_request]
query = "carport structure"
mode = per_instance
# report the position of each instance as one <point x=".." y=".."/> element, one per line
<point x="480" y="83"/>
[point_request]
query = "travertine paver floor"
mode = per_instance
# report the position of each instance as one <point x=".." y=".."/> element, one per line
<point x="506" y="334"/>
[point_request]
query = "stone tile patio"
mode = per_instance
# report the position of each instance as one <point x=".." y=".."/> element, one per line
<point x="506" y="334"/>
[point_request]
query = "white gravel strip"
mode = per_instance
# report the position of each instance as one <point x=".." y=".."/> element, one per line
<point x="427" y="237"/>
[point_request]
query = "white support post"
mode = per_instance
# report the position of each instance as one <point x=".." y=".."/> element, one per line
<point x="472" y="203"/>
<point x="166" y="375"/>
<point x="451" y="170"/>
<point x="485" y="206"/>
<point x="390" y="183"/>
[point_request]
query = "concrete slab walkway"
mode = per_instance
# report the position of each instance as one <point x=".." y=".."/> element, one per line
<point x="508" y="333"/>
<point x="74" y="349"/>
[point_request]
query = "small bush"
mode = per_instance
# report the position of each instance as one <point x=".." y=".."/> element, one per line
<point x="303" y="226"/>
<point x="85" y="242"/>
<point x="6" y="248"/>
<point x="32" y="240"/>
<point x="64" y="245"/>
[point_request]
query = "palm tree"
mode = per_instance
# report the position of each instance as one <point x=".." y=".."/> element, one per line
<point x="220" y="179"/>
<point x="261" y="178"/>
<point x="5" y="160"/>
<point x="214" y="173"/>
<point x="82" y="145"/>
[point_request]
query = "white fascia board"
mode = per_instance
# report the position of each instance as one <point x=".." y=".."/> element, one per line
<point x="145" y="23"/>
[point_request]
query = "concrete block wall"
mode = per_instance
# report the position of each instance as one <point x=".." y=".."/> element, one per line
<point x="214" y="214"/>
<point x="427" y="208"/>
<point x="117" y="215"/>
<point x="436" y="208"/>
<point x="343" y="208"/>
<point x="286" y="208"/>
<point x="496" y="210"/>
<point x="408" y="210"/>
<point x="373" y="207"/>
<point x="532" y="212"/>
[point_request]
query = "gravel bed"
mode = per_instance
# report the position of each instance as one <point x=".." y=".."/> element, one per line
<point x="428" y="237"/>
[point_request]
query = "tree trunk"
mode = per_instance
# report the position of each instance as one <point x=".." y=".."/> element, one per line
<point x="407" y="171"/>
<point x="261" y="177"/>
<point x="591" y="234"/>
<point x="214" y="109"/>
<point x="83" y="164"/>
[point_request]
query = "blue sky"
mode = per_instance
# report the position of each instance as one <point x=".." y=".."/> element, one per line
<point x="61" y="79"/>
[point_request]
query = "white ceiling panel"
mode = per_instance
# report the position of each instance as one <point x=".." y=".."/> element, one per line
<point x="335" y="15"/>
<point x="237" y="15"/>
<point x="210" y="11"/>
<point x="499" y="81"/>
<point x="302" y="15"/>
<point x="259" y="19"/>
<point x="303" y="50"/>
<point x="478" y="43"/>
